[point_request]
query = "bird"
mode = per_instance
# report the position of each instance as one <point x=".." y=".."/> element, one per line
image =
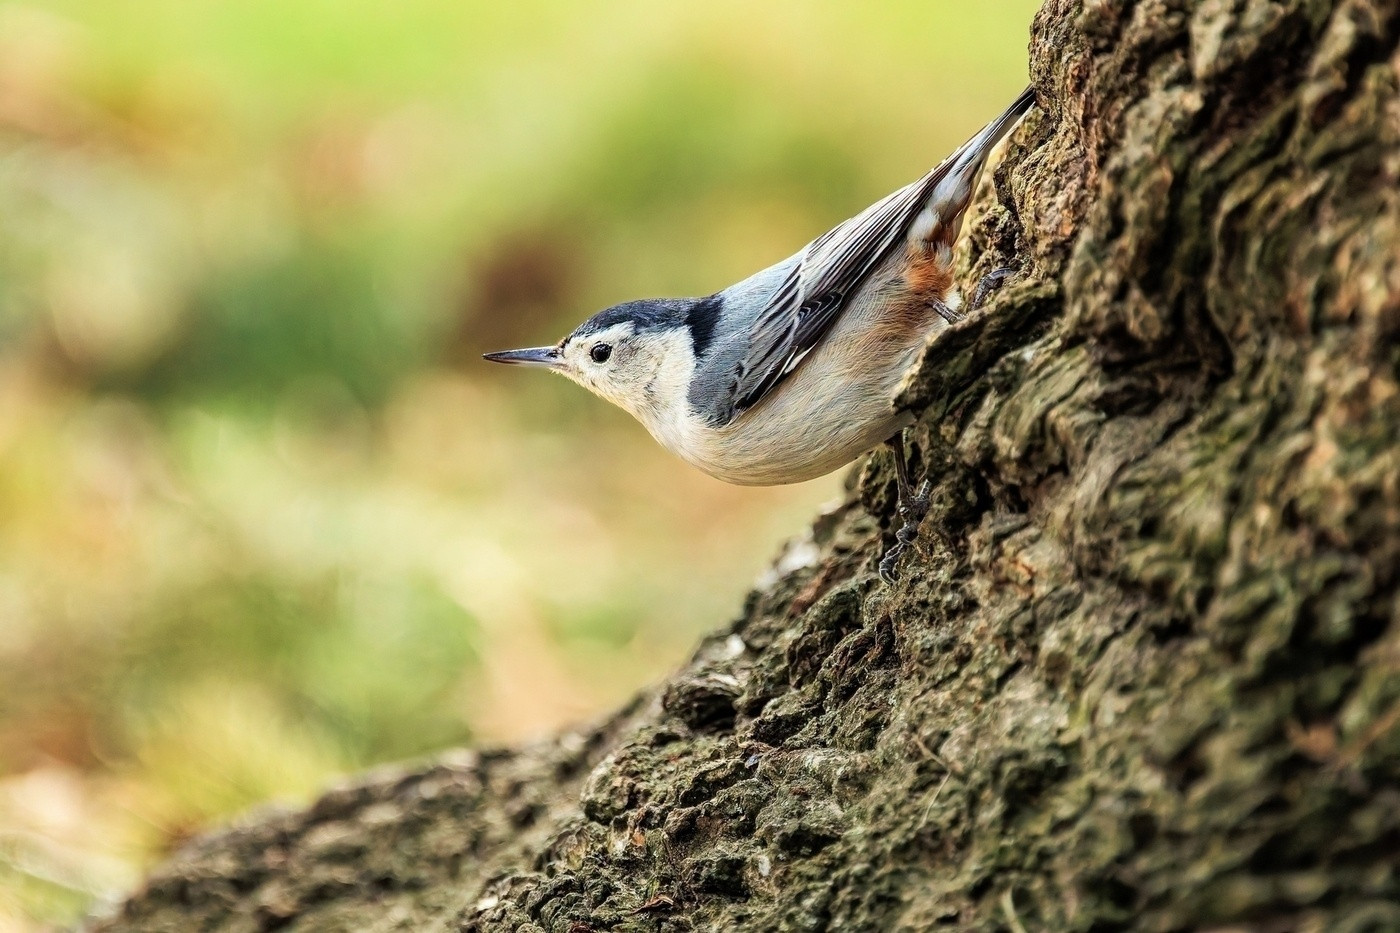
<point x="792" y="372"/>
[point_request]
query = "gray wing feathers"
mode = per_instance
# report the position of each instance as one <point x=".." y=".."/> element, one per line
<point x="813" y="293"/>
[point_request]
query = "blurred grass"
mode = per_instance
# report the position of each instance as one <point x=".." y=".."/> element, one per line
<point x="264" y="519"/>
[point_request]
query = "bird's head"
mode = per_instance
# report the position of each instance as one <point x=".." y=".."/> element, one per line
<point x="640" y="355"/>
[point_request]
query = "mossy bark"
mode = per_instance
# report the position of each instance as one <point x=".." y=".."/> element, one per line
<point x="1144" y="671"/>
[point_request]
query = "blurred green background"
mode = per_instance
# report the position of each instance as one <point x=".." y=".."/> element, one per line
<point x="264" y="517"/>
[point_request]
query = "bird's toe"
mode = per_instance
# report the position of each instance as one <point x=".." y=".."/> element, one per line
<point x="989" y="283"/>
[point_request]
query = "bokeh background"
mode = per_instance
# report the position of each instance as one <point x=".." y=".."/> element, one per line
<point x="265" y="518"/>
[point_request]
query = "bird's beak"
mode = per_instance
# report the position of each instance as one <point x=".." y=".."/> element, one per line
<point x="534" y="356"/>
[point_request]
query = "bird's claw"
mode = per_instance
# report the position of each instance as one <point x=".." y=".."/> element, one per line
<point x="889" y="564"/>
<point x="941" y="308"/>
<point x="989" y="283"/>
<point x="912" y="512"/>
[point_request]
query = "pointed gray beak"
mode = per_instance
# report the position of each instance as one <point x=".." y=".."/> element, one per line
<point x="533" y="356"/>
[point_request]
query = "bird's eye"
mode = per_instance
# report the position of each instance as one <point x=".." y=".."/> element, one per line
<point x="600" y="352"/>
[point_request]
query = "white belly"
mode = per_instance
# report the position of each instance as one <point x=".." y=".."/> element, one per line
<point x="838" y="404"/>
<point x="801" y="440"/>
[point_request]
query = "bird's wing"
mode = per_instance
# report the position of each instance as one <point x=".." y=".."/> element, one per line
<point x="813" y="294"/>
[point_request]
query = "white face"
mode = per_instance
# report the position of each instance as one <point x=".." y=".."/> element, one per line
<point x="646" y="374"/>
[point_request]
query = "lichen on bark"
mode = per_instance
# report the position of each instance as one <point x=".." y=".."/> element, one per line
<point x="1144" y="671"/>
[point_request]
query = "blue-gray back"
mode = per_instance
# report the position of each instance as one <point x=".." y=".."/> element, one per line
<point x="715" y="386"/>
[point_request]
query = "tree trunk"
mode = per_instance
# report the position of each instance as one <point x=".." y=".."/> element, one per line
<point x="1143" y="670"/>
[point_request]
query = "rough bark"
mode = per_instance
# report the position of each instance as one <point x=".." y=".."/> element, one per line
<point x="1145" y="670"/>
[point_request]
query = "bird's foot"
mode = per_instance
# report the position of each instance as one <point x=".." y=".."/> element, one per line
<point x="989" y="284"/>
<point x="912" y="509"/>
<point x="942" y="310"/>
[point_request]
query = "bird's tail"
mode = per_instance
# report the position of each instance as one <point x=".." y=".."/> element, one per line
<point x="958" y="180"/>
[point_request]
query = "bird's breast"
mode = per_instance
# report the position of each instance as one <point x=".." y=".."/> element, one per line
<point x="836" y="405"/>
<point x="831" y="410"/>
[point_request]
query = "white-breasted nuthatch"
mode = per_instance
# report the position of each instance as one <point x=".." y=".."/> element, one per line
<point x="792" y="372"/>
